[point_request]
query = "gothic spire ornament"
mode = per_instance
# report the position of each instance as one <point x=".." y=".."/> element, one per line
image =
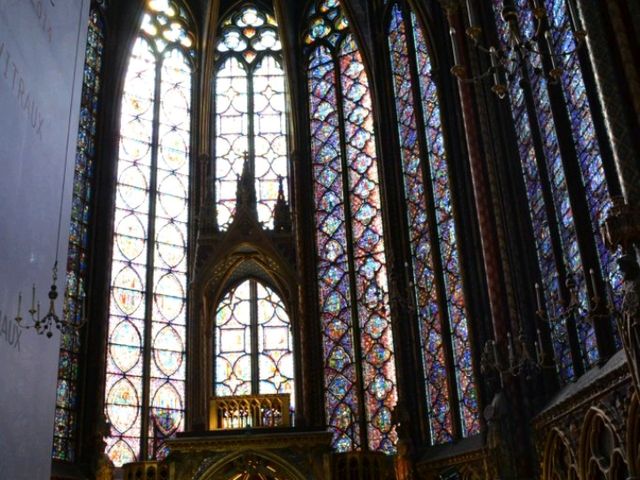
<point x="281" y="212"/>
<point x="246" y="192"/>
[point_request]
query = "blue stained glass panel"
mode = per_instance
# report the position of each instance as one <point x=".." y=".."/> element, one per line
<point x="334" y="293"/>
<point x="424" y="233"/>
<point x="446" y="234"/>
<point x="352" y="283"/>
<point x="564" y="216"/>
<point x="420" y="237"/>
<point x="584" y="139"/>
<point x="64" y="433"/>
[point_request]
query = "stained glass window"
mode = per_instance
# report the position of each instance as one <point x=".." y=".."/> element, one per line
<point x="546" y="182"/>
<point x="359" y="370"/>
<point x="250" y="114"/>
<point x="253" y="343"/>
<point x="64" y="433"/>
<point x="584" y="138"/>
<point x="432" y="232"/>
<point x="144" y="394"/>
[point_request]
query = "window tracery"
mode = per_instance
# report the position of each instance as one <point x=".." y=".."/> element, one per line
<point x="439" y="295"/>
<point x="250" y="112"/>
<point x="551" y="205"/>
<point x="144" y="394"/>
<point x="360" y="381"/>
<point x="253" y="343"/>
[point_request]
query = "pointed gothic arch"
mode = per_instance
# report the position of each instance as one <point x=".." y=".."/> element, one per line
<point x="351" y="264"/>
<point x="232" y="467"/>
<point x="601" y="452"/>
<point x="146" y="347"/>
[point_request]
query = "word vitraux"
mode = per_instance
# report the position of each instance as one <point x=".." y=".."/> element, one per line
<point x="44" y="21"/>
<point x="10" y="332"/>
<point x="11" y="75"/>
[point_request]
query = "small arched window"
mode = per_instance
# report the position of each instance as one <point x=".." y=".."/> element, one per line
<point x="437" y="277"/>
<point x="144" y="392"/>
<point x="250" y="113"/>
<point x="253" y="343"/>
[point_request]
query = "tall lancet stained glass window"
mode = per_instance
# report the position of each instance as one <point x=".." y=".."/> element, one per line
<point x="359" y="370"/>
<point x="432" y="233"/>
<point x="543" y="161"/>
<point x="145" y="382"/>
<point x="253" y="343"/>
<point x="250" y="114"/>
<point x="64" y="432"/>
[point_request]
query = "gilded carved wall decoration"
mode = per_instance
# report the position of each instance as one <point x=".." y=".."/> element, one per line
<point x="593" y="434"/>
<point x="476" y="464"/>
<point x="559" y="462"/>
<point x="601" y="448"/>
<point x="248" y="465"/>
<point x="633" y="436"/>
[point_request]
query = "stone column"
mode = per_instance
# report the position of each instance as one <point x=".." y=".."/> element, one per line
<point x="611" y="100"/>
<point x="621" y="228"/>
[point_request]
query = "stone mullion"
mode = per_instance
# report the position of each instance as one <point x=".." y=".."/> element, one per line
<point x="485" y="118"/>
<point x="310" y="353"/>
<point x="483" y="201"/>
<point x="611" y="99"/>
<point x="463" y="203"/>
<point x="623" y="17"/>
<point x="622" y="226"/>
<point x="492" y="182"/>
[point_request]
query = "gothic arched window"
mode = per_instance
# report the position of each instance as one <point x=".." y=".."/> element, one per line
<point x="64" y="434"/>
<point x="250" y="116"/>
<point x="144" y="394"/>
<point x="446" y="346"/>
<point x="565" y="179"/>
<point x="360" y="377"/>
<point x="253" y="343"/>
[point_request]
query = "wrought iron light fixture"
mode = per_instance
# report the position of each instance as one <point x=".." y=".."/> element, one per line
<point x="520" y="360"/>
<point x="508" y="60"/>
<point x="594" y="309"/>
<point x="44" y="325"/>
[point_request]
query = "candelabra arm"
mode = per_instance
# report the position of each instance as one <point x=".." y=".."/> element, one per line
<point x="44" y="325"/>
<point x="515" y="55"/>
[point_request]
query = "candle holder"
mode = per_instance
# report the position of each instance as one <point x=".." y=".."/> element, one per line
<point x="593" y="311"/>
<point x="520" y="52"/>
<point x="44" y="325"/>
<point x="519" y="359"/>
